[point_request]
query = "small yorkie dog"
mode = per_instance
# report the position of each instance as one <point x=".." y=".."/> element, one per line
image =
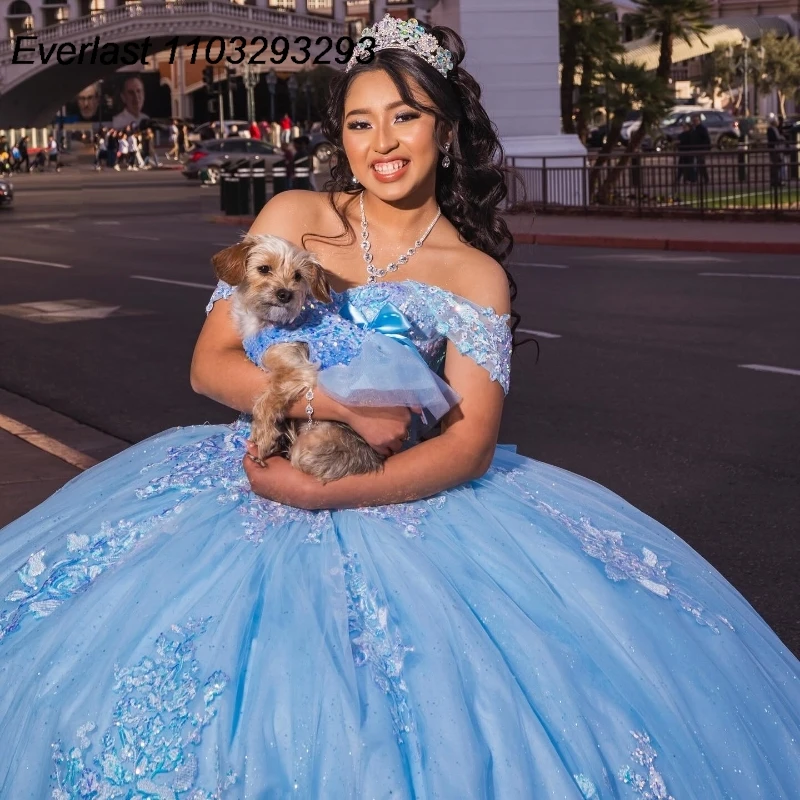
<point x="274" y="280"/>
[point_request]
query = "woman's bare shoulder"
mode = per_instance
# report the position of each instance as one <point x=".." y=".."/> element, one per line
<point x="292" y="214"/>
<point x="476" y="276"/>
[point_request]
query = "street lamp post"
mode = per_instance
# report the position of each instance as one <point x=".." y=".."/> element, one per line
<point x="272" y="81"/>
<point x="292" y="85"/>
<point x="307" y="93"/>
<point x="250" y="77"/>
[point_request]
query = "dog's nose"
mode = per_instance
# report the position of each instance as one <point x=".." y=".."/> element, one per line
<point x="284" y="295"/>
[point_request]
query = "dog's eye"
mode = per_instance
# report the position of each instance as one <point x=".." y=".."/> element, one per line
<point x="265" y="269"/>
<point x="298" y="277"/>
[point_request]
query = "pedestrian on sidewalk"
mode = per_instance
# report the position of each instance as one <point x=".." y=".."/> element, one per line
<point x="24" y="158"/>
<point x="174" y="133"/>
<point x="775" y="144"/>
<point x="123" y="153"/>
<point x="100" y="149"/>
<point x="112" y="147"/>
<point x="52" y="153"/>
<point x="686" y="169"/>
<point x="701" y="144"/>
<point x="149" y="149"/>
<point x="286" y="129"/>
<point x="135" y="155"/>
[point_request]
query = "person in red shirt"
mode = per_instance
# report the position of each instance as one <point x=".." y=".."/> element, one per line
<point x="255" y="131"/>
<point x="286" y="129"/>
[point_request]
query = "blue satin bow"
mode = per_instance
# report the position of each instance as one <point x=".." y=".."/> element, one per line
<point x="390" y="321"/>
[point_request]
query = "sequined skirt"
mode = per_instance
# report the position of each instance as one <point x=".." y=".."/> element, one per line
<point x="166" y="634"/>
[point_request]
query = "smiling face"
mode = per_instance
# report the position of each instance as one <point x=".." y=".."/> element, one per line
<point x="390" y="145"/>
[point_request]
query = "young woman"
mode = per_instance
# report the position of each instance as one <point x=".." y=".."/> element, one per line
<point x="466" y="624"/>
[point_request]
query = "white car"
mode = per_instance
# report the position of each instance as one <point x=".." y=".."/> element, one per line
<point x="201" y="132"/>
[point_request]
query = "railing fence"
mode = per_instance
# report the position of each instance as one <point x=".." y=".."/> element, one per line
<point x="751" y="181"/>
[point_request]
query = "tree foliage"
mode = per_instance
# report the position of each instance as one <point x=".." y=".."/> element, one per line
<point x="780" y="69"/>
<point x="671" y="20"/>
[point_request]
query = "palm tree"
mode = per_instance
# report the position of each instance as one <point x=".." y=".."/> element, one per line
<point x="670" y="20"/>
<point x="781" y="67"/>
<point x="631" y="86"/>
<point x="588" y="38"/>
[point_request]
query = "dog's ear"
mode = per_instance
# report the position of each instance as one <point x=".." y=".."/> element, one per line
<point x="317" y="282"/>
<point x="229" y="264"/>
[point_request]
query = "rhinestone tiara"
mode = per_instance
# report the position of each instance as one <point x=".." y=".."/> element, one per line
<point x="401" y="34"/>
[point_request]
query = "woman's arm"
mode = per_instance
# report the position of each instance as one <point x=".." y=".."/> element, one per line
<point x="462" y="452"/>
<point x="221" y="370"/>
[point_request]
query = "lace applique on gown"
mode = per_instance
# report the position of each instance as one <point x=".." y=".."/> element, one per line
<point x="164" y="633"/>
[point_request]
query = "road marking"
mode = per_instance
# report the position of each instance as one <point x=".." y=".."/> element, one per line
<point x="48" y="312"/>
<point x="764" y="368"/>
<point x="541" y="266"/>
<point x="658" y="258"/>
<point x="175" y="283"/>
<point x="543" y="334"/>
<point x="136" y="236"/>
<point x="48" y="227"/>
<point x="40" y="263"/>
<point x="748" y="275"/>
<point x="106" y="222"/>
<point x="58" y="449"/>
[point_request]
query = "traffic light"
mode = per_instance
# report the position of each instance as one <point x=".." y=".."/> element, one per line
<point x="208" y="77"/>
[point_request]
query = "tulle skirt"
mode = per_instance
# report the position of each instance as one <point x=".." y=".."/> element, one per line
<point x="166" y="634"/>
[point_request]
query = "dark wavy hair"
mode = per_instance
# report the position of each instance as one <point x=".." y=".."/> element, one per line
<point x="471" y="189"/>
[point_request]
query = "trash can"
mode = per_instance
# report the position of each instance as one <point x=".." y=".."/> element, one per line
<point x="228" y="193"/>
<point x="280" y="177"/>
<point x="243" y="173"/>
<point x="258" y="177"/>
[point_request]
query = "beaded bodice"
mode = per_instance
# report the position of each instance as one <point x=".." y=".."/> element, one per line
<point x="433" y="315"/>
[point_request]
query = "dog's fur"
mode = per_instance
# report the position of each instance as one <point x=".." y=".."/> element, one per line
<point x="272" y="280"/>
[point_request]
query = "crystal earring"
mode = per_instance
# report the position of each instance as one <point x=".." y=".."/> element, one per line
<point x="354" y="180"/>
<point x="446" y="159"/>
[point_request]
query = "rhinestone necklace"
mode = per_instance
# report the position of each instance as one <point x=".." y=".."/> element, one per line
<point x="372" y="270"/>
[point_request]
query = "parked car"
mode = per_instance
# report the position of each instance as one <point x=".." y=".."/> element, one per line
<point x="206" y="131"/>
<point x="723" y="129"/>
<point x="321" y="147"/>
<point x="6" y="193"/>
<point x="214" y="155"/>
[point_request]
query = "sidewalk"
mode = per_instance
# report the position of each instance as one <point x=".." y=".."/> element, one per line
<point x="576" y="230"/>
<point x="656" y="234"/>
<point x="42" y="450"/>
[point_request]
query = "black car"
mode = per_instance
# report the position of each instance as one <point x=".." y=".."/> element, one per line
<point x="321" y="147"/>
<point x="6" y="193"/>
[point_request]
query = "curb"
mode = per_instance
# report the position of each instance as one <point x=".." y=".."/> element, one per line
<point x="632" y="242"/>
<point x="620" y="242"/>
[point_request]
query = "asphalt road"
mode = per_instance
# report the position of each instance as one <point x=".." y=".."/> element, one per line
<point x="639" y="384"/>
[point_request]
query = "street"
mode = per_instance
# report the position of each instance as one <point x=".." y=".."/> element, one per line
<point x="659" y="374"/>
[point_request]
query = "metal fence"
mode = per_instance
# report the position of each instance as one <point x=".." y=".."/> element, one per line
<point x="745" y="181"/>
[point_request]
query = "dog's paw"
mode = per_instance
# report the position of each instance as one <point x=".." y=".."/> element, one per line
<point x="266" y="438"/>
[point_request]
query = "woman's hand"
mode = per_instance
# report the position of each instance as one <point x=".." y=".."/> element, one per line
<point x="278" y="480"/>
<point x="383" y="428"/>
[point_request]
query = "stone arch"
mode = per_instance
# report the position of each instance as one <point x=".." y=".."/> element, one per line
<point x="55" y="12"/>
<point x="19" y="18"/>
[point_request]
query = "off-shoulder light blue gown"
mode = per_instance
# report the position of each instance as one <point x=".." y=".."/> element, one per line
<point x="164" y="633"/>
